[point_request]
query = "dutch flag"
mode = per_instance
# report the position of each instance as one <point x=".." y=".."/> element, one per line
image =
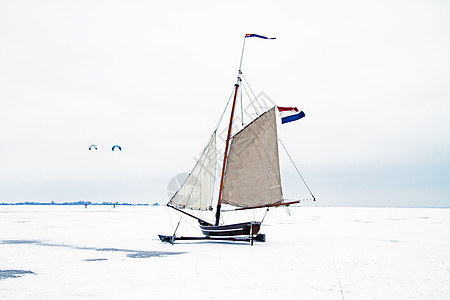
<point x="289" y="114"/>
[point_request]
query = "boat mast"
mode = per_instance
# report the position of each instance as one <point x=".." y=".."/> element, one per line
<point x="230" y="125"/>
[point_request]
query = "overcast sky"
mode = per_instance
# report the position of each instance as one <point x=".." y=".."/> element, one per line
<point x="372" y="77"/>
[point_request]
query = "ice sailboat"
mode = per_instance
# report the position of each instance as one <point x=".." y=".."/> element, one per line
<point x="249" y="176"/>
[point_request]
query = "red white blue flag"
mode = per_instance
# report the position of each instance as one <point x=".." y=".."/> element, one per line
<point x="258" y="36"/>
<point x="289" y="114"/>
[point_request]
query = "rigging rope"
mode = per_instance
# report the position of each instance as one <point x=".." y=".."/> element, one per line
<point x="251" y="102"/>
<point x="175" y="231"/>
<point x="242" y="111"/>
<point x="265" y="214"/>
<point x="256" y="98"/>
<point x="223" y="113"/>
<point x="292" y="161"/>
<point x="279" y="139"/>
<point x="170" y="218"/>
<point x="186" y="221"/>
<point x="195" y="227"/>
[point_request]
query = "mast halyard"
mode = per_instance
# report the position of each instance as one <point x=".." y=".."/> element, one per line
<point x="227" y="143"/>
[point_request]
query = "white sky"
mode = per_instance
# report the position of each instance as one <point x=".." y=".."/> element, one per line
<point x="372" y="77"/>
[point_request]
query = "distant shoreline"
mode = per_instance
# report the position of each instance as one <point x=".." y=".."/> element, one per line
<point x="80" y="203"/>
<point x="157" y="204"/>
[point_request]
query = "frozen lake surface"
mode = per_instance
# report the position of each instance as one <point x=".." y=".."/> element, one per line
<point x="69" y="252"/>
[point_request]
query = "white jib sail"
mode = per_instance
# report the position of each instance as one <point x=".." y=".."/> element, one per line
<point x="197" y="190"/>
<point x="252" y="175"/>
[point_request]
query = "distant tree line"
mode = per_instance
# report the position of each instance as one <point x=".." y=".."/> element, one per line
<point x="77" y="203"/>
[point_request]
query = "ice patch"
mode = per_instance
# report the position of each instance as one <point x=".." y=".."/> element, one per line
<point x="28" y="242"/>
<point x="147" y="254"/>
<point x="130" y="253"/>
<point x="13" y="273"/>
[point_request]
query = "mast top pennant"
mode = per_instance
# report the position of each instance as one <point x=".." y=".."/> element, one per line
<point x="258" y="36"/>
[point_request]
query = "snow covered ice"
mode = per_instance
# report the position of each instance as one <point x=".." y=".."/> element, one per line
<point x="69" y="252"/>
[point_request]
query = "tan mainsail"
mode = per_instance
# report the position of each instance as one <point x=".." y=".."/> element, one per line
<point x="197" y="190"/>
<point x="252" y="176"/>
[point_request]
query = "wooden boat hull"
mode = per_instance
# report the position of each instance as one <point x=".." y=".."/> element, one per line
<point x="232" y="229"/>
